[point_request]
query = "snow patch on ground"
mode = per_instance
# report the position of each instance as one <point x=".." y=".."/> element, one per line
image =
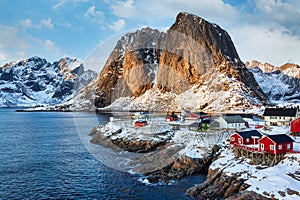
<point x="271" y="179"/>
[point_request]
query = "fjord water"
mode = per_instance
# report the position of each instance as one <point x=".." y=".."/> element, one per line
<point x="42" y="157"/>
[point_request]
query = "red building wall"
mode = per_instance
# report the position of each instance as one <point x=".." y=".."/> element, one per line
<point x="236" y="137"/>
<point x="243" y="140"/>
<point x="295" y="126"/>
<point x="267" y="142"/>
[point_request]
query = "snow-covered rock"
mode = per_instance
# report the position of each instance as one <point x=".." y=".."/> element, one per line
<point x="35" y="81"/>
<point x="280" y="84"/>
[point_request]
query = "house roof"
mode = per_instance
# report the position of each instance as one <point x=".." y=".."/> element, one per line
<point x="205" y="121"/>
<point x="233" y="119"/>
<point x="197" y="113"/>
<point x="280" y="138"/>
<point x="284" y="112"/>
<point x="249" y="134"/>
<point x="195" y="124"/>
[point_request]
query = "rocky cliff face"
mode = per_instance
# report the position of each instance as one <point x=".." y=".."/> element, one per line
<point x="193" y="53"/>
<point x="279" y="83"/>
<point x="35" y="81"/>
<point x="221" y="186"/>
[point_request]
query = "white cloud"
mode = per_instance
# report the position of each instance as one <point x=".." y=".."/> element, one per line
<point x="266" y="44"/>
<point x="285" y="13"/>
<point x="26" y="23"/>
<point x="124" y="9"/>
<point x="61" y="3"/>
<point x="17" y="44"/>
<point x="50" y="46"/>
<point x="118" y="25"/>
<point x="47" y="23"/>
<point x="3" y="56"/>
<point x="159" y="10"/>
<point x="93" y="14"/>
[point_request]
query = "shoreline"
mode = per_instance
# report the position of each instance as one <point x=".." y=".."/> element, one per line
<point x="228" y="177"/>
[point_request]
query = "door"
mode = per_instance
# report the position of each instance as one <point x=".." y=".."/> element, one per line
<point x="262" y="146"/>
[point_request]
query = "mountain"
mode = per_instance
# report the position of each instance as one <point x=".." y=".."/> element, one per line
<point x="35" y="81"/>
<point x="194" y="64"/>
<point x="280" y="83"/>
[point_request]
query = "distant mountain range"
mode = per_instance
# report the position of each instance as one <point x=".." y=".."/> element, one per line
<point x="36" y="82"/>
<point x="281" y="84"/>
<point x="193" y="65"/>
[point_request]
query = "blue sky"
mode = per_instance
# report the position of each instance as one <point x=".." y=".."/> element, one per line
<point x="265" y="30"/>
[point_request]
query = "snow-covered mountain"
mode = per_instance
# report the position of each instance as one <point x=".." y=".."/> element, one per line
<point x="194" y="64"/>
<point x="35" y="81"/>
<point x="280" y="83"/>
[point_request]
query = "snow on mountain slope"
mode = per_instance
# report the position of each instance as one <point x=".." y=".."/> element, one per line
<point x="205" y="96"/>
<point x="35" y="81"/>
<point x="280" y="84"/>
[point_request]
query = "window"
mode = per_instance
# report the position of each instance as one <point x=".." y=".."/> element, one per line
<point x="247" y="140"/>
<point x="271" y="146"/>
<point x="262" y="146"/>
<point x="288" y="146"/>
<point x="240" y="141"/>
<point x="280" y="147"/>
<point x="232" y="139"/>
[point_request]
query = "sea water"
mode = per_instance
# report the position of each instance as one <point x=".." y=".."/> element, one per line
<point x="42" y="156"/>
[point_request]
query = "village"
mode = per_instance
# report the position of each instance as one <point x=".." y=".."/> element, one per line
<point x="265" y="139"/>
<point x="255" y="149"/>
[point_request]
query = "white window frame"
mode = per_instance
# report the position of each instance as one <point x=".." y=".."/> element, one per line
<point x="272" y="147"/>
<point x="262" y="146"/>
<point x="288" y="146"/>
<point x="240" y="141"/>
<point x="247" y="140"/>
<point x="232" y="139"/>
<point x="280" y="147"/>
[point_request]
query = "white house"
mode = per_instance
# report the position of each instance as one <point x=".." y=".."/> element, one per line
<point x="280" y="116"/>
<point x="231" y="122"/>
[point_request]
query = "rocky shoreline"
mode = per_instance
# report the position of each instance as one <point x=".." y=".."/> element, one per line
<point x="181" y="167"/>
<point x="217" y="185"/>
<point x="220" y="185"/>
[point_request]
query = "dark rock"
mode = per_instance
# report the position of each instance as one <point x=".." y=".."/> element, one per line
<point x="218" y="185"/>
<point x="247" y="195"/>
<point x="292" y="192"/>
<point x="282" y="193"/>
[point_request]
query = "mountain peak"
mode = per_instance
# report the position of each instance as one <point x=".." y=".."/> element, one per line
<point x="193" y="53"/>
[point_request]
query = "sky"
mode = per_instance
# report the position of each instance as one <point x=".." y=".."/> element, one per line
<point x="263" y="30"/>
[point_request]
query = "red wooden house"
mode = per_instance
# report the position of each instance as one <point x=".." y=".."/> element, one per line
<point x="295" y="126"/>
<point x="276" y="144"/>
<point x="196" y="116"/>
<point x="245" y="137"/>
<point x="140" y="123"/>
